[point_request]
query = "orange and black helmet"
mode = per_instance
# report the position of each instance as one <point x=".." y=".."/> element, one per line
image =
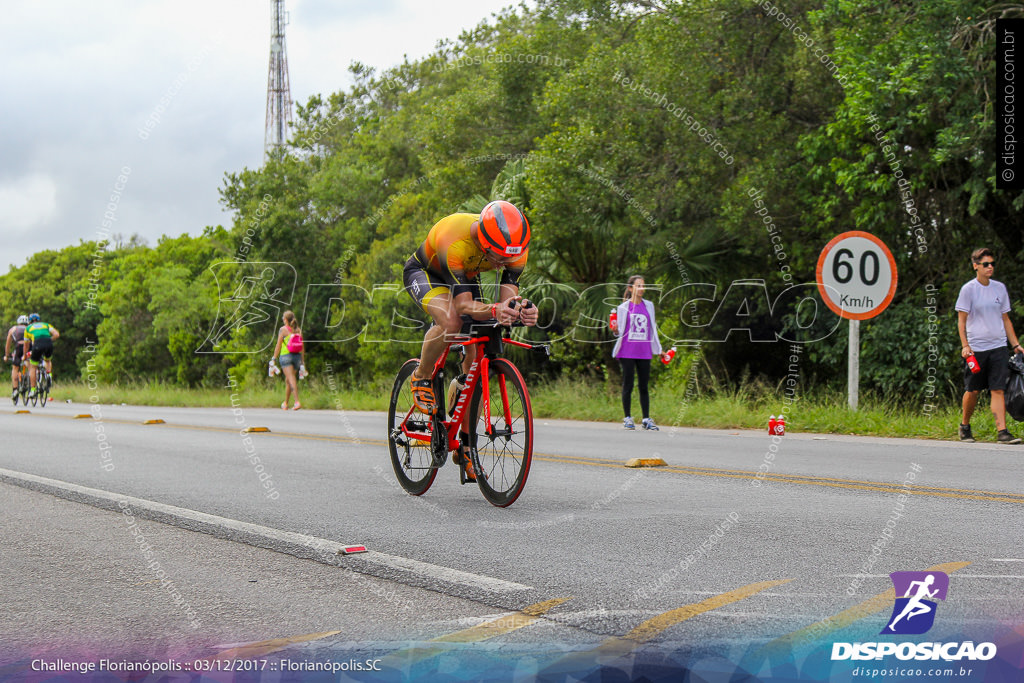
<point x="502" y="229"/>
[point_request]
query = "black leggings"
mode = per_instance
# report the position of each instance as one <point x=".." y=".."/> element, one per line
<point x="643" y="372"/>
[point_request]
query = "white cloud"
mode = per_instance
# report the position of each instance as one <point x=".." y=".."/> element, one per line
<point x="27" y="202"/>
<point x="88" y="76"/>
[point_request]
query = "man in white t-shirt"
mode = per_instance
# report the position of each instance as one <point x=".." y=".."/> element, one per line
<point x="984" y="327"/>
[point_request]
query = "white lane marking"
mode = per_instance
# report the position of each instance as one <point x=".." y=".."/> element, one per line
<point x="989" y="576"/>
<point x="394" y="561"/>
<point x="1009" y="559"/>
<point x="959" y="576"/>
<point x="444" y="573"/>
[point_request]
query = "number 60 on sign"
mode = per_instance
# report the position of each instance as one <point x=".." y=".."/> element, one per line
<point x="856" y="275"/>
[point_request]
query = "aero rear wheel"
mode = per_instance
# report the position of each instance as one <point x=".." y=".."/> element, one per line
<point x="504" y="442"/>
<point x="28" y="396"/>
<point x="411" y="458"/>
<point x="23" y="387"/>
<point x="44" y="388"/>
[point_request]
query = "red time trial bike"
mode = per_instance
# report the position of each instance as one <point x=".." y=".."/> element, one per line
<point x="500" y="418"/>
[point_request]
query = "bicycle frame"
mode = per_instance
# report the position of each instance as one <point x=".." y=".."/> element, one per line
<point x="479" y="371"/>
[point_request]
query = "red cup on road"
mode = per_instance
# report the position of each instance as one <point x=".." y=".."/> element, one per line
<point x="771" y="424"/>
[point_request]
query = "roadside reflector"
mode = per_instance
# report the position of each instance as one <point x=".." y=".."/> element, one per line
<point x="157" y="421"/>
<point x="349" y="549"/>
<point x="22" y="412"/>
<point x="81" y="417"/>
<point x="646" y="462"/>
<point x="250" y="430"/>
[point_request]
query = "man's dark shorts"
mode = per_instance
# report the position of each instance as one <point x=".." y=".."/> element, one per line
<point x="994" y="374"/>
<point x="423" y="285"/>
<point x="41" y="348"/>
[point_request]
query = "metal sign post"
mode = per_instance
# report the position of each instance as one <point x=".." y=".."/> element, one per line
<point x="853" y="366"/>
<point x="856" y="277"/>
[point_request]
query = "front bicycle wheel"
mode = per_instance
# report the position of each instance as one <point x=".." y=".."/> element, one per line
<point x="411" y="457"/>
<point x="504" y="437"/>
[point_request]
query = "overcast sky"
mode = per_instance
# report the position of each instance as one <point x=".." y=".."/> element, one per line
<point x="81" y="79"/>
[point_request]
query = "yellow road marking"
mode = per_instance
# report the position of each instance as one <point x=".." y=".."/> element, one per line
<point x="502" y="625"/>
<point x="823" y="628"/>
<point x="790" y="478"/>
<point x="802" y="479"/>
<point x="265" y="647"/>
<point x="623" y="645"/>
<point x="475" y="634"/>
<point x="861" y="485"/>
<point x="653" y="627"/>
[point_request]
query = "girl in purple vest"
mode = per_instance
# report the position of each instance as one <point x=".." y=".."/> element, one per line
<point x="636" y="344"/>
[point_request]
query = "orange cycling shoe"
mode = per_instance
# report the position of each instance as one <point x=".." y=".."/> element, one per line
<point x="423" y="395"/>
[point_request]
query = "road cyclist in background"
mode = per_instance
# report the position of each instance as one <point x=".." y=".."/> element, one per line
<point x="984" y="326"/>
<point x="637" y="342"/>
<point x="292" y="361"/>
<point x="14" y="351"/>
<point x="38" y="345"/>
<point x="442" y="277"/>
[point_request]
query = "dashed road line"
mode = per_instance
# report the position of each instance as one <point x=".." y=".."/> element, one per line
<point x="648" y="630"/>
<point x="485" y="631"/>
<point x="266" y="647"/>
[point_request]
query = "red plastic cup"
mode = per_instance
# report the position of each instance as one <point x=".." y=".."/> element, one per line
<point x="613" y="320"/>
<point x="668" y="356"/>
<point x="771" y="424"/>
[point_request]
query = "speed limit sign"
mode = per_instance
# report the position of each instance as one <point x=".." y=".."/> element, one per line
<point x="856" y="275"/>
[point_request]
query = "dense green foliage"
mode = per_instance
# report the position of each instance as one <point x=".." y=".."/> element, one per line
<point x="635" y="135"/>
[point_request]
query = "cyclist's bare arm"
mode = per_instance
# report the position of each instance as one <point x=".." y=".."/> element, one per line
<point x="10" y="340"/>
<point x="479" y="310"/>
<point x="466" y="305"/>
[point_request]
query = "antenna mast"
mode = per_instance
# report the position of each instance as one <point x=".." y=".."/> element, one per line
<point x="279" y="94"/>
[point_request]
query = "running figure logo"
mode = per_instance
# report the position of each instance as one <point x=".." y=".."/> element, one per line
<point x="638" y="328"/>
<point x="914" y="612"/>
<point x="257" y="294"/>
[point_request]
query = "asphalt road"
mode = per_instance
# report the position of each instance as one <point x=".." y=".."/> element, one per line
<point x="595" y="563"/>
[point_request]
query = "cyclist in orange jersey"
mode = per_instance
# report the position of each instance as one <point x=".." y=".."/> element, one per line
<point x="442" y="276"/>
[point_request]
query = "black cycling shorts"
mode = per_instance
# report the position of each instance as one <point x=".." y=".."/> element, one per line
<point x="423" y="285"/>
<point x="41" y="348"/>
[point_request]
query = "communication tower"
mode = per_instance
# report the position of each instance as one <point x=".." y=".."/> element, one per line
<point x="279" y="94"/>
